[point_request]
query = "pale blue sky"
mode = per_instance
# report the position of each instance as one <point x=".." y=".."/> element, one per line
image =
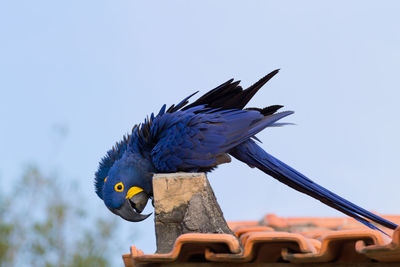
<point x="92" y="69"/>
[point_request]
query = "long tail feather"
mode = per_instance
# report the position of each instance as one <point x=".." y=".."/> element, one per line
<point x="250" y="153"/>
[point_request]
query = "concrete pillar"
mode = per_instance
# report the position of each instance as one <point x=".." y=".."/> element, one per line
<point x="184" y="203"/>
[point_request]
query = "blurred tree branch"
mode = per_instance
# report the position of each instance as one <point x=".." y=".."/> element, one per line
<point x="43" y="224"/>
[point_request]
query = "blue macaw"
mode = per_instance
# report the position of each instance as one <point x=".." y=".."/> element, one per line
<point x="197" y="137"/>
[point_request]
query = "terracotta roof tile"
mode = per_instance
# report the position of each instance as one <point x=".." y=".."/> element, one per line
<point x="304" y="224"/>
<point x="338" y="246"/>
<point x="189" y="247"/>
<point x="264" y="247"/>
<point x="307" y="240"/>
<point x="240" y="230"/>
<point x="236" y="224"/>
<point x="386" y="253"/>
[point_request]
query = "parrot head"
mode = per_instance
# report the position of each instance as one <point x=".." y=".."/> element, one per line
<point x="124" y="185"/>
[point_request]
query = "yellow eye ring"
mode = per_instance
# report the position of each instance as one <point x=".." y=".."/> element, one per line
<point x="105" y="179"/>
<point x="119" y="187"/>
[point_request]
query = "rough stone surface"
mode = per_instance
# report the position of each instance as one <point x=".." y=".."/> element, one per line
<point x="184" y="203"/>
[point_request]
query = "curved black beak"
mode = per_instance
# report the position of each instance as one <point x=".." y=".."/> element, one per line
<point x="131" y="208"/>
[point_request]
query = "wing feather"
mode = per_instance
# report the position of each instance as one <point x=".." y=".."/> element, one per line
<point x="193" y="141"/>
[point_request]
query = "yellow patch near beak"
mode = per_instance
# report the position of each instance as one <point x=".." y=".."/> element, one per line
<point x="133" y="191"/>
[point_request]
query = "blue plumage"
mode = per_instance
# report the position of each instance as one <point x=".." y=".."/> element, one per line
<point x="198" y="137"/>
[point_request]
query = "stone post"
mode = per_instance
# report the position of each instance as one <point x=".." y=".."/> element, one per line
<point x="184" y="203"/>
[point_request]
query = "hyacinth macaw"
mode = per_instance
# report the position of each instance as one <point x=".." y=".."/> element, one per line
<point x="197" y="137"/>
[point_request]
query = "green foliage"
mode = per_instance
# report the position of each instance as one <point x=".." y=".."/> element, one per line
<point x="46" y="225"/>
<point x="6" y="231"/>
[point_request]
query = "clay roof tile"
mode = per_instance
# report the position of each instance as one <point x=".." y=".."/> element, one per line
<point x="302" y="240"/>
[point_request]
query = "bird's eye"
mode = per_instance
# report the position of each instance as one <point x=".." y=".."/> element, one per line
<point x="119" y="187"/>
<point x="105" y="179"/>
